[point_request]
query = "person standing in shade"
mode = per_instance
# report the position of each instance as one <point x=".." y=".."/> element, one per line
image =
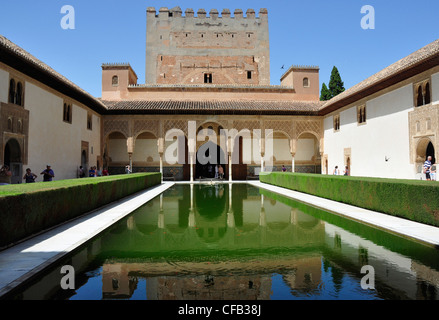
<point x="128" y="169"/>
<point x="221" y="172"/>
<point x="284" y="169"/>
<point x="29" y="176"/>
<point x="81" y="173"/>
<point x="433" y="172"/>
<point x="427" y="168"/>
<point x="5" y="175"/>
<point x="48" y="174"/>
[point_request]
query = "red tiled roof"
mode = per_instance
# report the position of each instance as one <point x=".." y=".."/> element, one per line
<point x="214" y="107"/>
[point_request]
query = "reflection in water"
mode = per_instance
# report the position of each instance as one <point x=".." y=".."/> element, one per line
<point x="227" y="241"/>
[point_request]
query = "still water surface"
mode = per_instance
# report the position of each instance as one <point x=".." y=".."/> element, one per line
<point x="235" y="241"/>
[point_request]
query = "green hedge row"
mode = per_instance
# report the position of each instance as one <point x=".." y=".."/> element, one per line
<point x="415" y="200"/>
<point x="27" y="209"/>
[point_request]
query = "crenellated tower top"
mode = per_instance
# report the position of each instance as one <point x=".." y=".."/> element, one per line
<point x="176" y="12"/>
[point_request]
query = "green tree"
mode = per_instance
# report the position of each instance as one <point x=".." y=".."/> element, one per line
<point x="325" y="94"/>
<point x="336" y="86"/>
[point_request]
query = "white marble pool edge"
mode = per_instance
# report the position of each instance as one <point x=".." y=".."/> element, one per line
<point x="26" y="259"/>
<point x="21" y="262"/>
<point x="426" y="234"/>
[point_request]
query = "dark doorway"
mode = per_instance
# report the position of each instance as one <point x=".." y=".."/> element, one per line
<point x="430" y="152"/>
<point x="12" y="158"/>
<point x="84" y="163"/>
<point x="206" y="162"/>
<point x="239" y="170"/>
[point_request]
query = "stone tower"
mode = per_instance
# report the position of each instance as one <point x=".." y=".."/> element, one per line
<point x="209" y="49"/>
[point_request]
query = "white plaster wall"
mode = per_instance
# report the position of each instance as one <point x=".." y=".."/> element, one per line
<point x="118" y="150"/>
<point x="435" y="88"/>
<point x="305" y="149"/>
<point x="145" y="148"/>
<point x="4" y="86"/>
<point x="54" y="142"/>
<point x="248" y="154"/>
<point x="385" y="135"/>
<point x="281" y="150"/>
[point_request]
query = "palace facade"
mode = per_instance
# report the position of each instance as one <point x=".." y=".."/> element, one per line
<point x="207" y="100"/>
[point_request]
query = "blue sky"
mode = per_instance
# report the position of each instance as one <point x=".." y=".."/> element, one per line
<point x="325" y="33"/>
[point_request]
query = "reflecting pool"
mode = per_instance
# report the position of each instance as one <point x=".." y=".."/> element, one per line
<point x="234" y="242"/>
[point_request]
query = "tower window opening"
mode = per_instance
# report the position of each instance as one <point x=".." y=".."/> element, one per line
<point x="207" y="78"/>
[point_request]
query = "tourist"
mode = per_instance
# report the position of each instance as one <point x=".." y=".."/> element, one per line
<point x="5" y="175"/>
<point x="29" y="176"/>
<point x="216" y="172"/>
<point x="92" y="172"/>
<point x="346" y="171"/>
<point x="48" y="174"/>
<point x="81" y="173"/>
<point x="433" y="173"/>
<point x="128" y="169"/>
<point x="284" y="169"/>
<point x="427" y="168"/>
<point x="105" y="172"/>
<point x="221" y="172"/>
<point x="336" y="171"/>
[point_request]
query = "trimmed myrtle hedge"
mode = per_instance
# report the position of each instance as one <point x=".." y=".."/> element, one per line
<point x="415" y="200"/>
<point x="28" y="209"/>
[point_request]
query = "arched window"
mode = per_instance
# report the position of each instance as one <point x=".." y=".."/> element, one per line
<point x="19" y="95"/>
<point x="427" y="99"/>
<point x="12" y="91"/>
<point x="10" y="123"/>
<point x="420" y="100"/>
<point x="89" y="122"/>
<point x="207" y="78"/>
<point x="337" y="122"/>
<point x="423" y="93"/>
<point x="115" y="81"/>
<point x="305" y="82"/>
<point x="361" y="114"/>
<point x="67" y="114"/>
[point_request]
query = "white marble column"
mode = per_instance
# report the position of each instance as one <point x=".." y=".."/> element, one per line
<point x="191" y="210"/>
<point x="262" y="215"/>
<point x="230" y="167"/>
<point x="293" y="163"/>
<point x="161" y="164"/>
<point x="160" y="147"/>
<point x="130" y="156"/>
<point x="191" y="160"/>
